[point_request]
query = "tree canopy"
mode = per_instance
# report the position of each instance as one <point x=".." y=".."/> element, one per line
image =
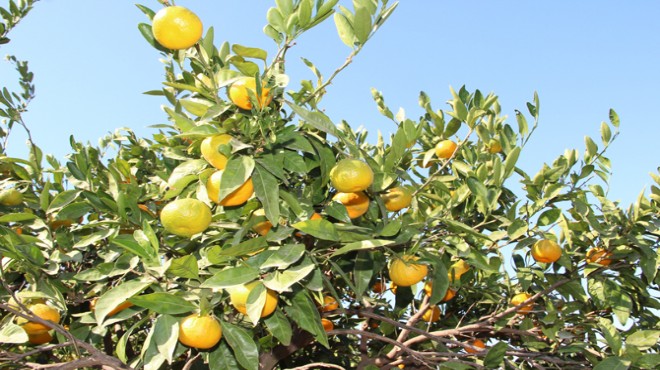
<point x="253" y="232"/>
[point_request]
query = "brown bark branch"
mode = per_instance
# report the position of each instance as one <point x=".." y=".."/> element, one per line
<point x="300" y="339"/>
<point x="95" y="354"/>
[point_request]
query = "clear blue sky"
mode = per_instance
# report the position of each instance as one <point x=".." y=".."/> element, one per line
<point x="91" y="66"/>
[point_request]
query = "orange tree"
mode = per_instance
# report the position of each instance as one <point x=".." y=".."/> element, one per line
<point x="254" y="232"/>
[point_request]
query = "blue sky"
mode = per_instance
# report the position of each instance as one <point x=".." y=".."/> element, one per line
<point x="91" y="67"/>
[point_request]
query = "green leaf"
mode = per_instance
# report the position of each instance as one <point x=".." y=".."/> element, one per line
<point x="161" y="342"/>
<point x="361" y="245"/>
<point x="281" y="281"/>
<point x="240" y="341"/>
<point x="129" y="243"/>
<point x="643" y="339"/>
<point x="304" y="313"/>
<point x="231" y="276"/>
<point x="614" y="118"/>
<point x="163" y="303"/>
<point x="285" y="256"/>
<point x="523" y="127"/>
<point x="285" y="7"/>
<point x="279" y="326"/>
<point x="460" y="227"/>
<point x="495" y="355"/>
<point x="198" y="107"/>
<point x="276" y="20"/>
<point x="613" y="363"/>
<point x="440" y="282"/>
<point x="317" y="120"/>
<point x="181" y="121"/>
<point x="255" y="302"/>
<point x="247" y="52"/>
<point x="549" y="217"/>
<point x="345" y="30"/>
<point x="184" y="267"/>
<point x="17" y="217"/>
<point x="304" y="13"/>
<point x="222" y="359"/>
<point x="120" y="349"/>
<point x="116" y="296"/>
<point x="266" y="188"/>
<point x="479" y="189"/>
<point x="510" y="161"/>
<point x="62" y="199"/>
<point x="245" y="248"/>
<point x="237" y="171"/>
<point x="517" y="229"/>
<point x="611" y="335"/>
<point x="93" y="238"/>
<point x="147" y="33"/>
<point x="182" y="176"/>
<point x="605" y="133"/>
<point x="12" y="333"/>
<point x="620" y="301"/>
<point x="648" y="361"/>
<point x="362" y="24"/>
<point x="321" y="229"/>
<point x="592" y="148"/>
<point x="363" y="271"/>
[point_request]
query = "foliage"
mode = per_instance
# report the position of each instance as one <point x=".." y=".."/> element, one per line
<point x="89" y="228"/>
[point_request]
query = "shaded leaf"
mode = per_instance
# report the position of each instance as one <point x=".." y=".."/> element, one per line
<point x="231" y="276"/>
<point x="244" y="348"/>
<point x="163" y="303"/>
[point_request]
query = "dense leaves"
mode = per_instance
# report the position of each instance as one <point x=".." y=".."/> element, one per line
<point x="89" y="229"/>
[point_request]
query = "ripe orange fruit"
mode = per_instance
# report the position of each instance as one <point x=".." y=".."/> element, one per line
<point x="327" y="324"/>
<point x="546" y="251"/>
<point x="56" y="224"/>
<point x="235" y="198"/>
<point x="404" y="272"/>
<point x="120" y="307"/>
<point x="432" y="314"/>
<point x="520" y="298"/>
<point x="351" y="175"/>
<point x="378" y="287"/>
<point x="238" y="296"/>
<point x="176" y="27"/>
<point x="186" y="217"/>
<point x="210" y="150"/>
<point x="42" y="311"/>
<point x="262" y="227"/>
<point x="329" y="304"/>
<point x="445" y="149"/>
<point x="457" y="269"/>
<point x="494" y="147"/>
<point x="356" y="204"/>
<point x="40" y="338"/>
<point x="599" y="255"/>
<point x="238" y="93"/>
<point x="202" y="332"/>
<point x="11" y="197"/>
<point x="451" y="293"/>
<point x="476" y="343"/>
<point x="316" y="216"/>
<point x="396" y="199"/>
<point x="428" y="289"/>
